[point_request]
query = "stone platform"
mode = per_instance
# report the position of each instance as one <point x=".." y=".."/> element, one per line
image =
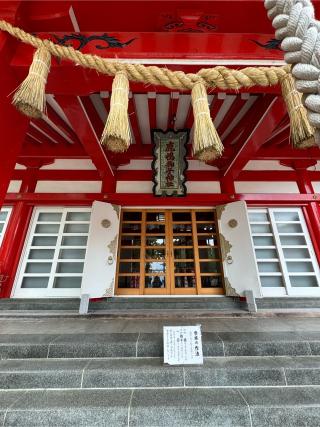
<point x="110" y="372"/>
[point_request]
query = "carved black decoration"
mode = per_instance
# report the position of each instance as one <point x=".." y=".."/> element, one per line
<point x="272" y="44"/>
<point x="83" y="40"/>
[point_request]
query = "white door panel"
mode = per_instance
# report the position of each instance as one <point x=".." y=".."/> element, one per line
<point x="101" y="259"/>
<point x="239" y="264"/>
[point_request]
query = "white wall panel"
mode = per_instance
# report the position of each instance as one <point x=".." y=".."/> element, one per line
<point x="71" y="164"/>
<point x="196" y="165"/>
<point x="18" y="166"/>
<point x="203" y="187"/>
<point x="134" y="187"/>
<point x="265" y="165"/>
<point x="68" y="187"/>
<point x="14" y="187"/>
<point x="137" y="165"/>
<point x="266" y="187"/>
<point x="316" y="186"/>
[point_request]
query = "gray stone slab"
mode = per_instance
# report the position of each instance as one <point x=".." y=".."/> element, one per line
<point x="300" y="376"/>
<point x="27" y="338"/>
<point x="189" y="407"/>
<point x="43" y="373"/>
<point x="131" y="373"/>
<point x="25" y="345"/>
<point x="71" y="408"/>
<point x="284" y="406"/>
<point x="300" y="370"/>
<point x="211" y="345"/>
<point x="94" y="345"/>
<point x="264" y="344"/>
<point x="307" y="416"/>
<point x="259" y="336"/>
<point x="150" y="345"/>
<point x="282" y="396"/>
<point x="101" y="325"/>
<point x="309" y="335"/>
<point x="240" y="371"/>
<point x="7" y="399"/>
<point x="315" y="347"/>
<point x="298" y="361"/>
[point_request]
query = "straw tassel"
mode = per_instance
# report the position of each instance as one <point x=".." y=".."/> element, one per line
<point x="30" y="97"/>
<point x="301" y="132"/>
<point x="206" y="142"/>
<point x="116" y="133"/>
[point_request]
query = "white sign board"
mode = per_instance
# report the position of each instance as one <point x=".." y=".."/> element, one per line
<point x="182" y="345"/>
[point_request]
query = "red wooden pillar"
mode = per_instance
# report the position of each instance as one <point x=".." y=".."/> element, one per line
<point x="13" y="242"/>
<point x="312" y="210"/>
<point x="227" y="185"/>
<point x="13" y="125"/>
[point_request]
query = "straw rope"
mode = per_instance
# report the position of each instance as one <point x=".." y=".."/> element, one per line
<point x="295" y="25"/>
<point x="217" y="77"/>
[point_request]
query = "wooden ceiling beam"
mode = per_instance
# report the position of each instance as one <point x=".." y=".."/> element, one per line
<point x="80" y="121"/>
<point x="273" y="113"/>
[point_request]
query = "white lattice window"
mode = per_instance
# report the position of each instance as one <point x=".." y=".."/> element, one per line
<point x="53" y="260"/>
<point x="285" y="257"/>
<point x="4" y="220"/>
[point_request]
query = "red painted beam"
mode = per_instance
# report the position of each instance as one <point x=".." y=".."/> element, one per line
<point x="93" y="115"/>
<point x="174" y="45"/>
<point x="32" y="149"/>
<point x="143" y="199"/>
<point x="38" y="137"/>
<point x="215" y="106"/>
<point x="76" y="114"/>
<point x="241" y="125"/>
<point x="49" y="131"/>
<point x="282" y="136"/>
<point x="272" y="115"/>
<point x="14" y="239"/>
<point x="312" y="211"/>
<point x="286" y="153"/>
<point x="60" y="175"/>
<point x="173" y="106"/>
<point x="247" y="175"/>
<point x="61" y="124"/>
<point x="13" y="124"/>
<point x="146" y="175"/>
<point x="133" y="117"/>
<point x="152" y="105"/>
<point x="235" y="108"/>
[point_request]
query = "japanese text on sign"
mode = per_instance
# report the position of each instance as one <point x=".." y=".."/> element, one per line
<point x="182" y="345"/>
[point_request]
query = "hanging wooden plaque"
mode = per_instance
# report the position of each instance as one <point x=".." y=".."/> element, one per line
<point x="169" y="162"/>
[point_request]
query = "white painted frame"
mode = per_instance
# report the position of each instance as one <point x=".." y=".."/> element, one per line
<point x="287" y="289"/>
<point x="5" y="223"/>
<point x="49" y="291"/>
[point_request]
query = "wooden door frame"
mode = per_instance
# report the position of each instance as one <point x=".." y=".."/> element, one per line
<point x="169" y="256"/>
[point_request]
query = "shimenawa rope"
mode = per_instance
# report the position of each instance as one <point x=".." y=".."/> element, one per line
<point x="217" y="77"/>
<point x="299" y="31"/>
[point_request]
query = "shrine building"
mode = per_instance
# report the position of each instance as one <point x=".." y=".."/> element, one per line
<point x="155" y="217"/>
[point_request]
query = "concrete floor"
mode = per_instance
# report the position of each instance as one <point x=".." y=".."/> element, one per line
<point x="100" y="325"/>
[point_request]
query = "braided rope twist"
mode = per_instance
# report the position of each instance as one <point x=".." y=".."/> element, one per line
<point x="296" y="26"/>
<point x="217" y="77"/>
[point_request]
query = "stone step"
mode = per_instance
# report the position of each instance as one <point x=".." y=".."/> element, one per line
<point x="250" y="406"/>
<point x="32" y="304"/>
<point x="125" y="304"/>
<point x="170" y="303"/>
<point x="151" y="372"/>
<point x="288" y="303"/>
<point x="151" y="344"/>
